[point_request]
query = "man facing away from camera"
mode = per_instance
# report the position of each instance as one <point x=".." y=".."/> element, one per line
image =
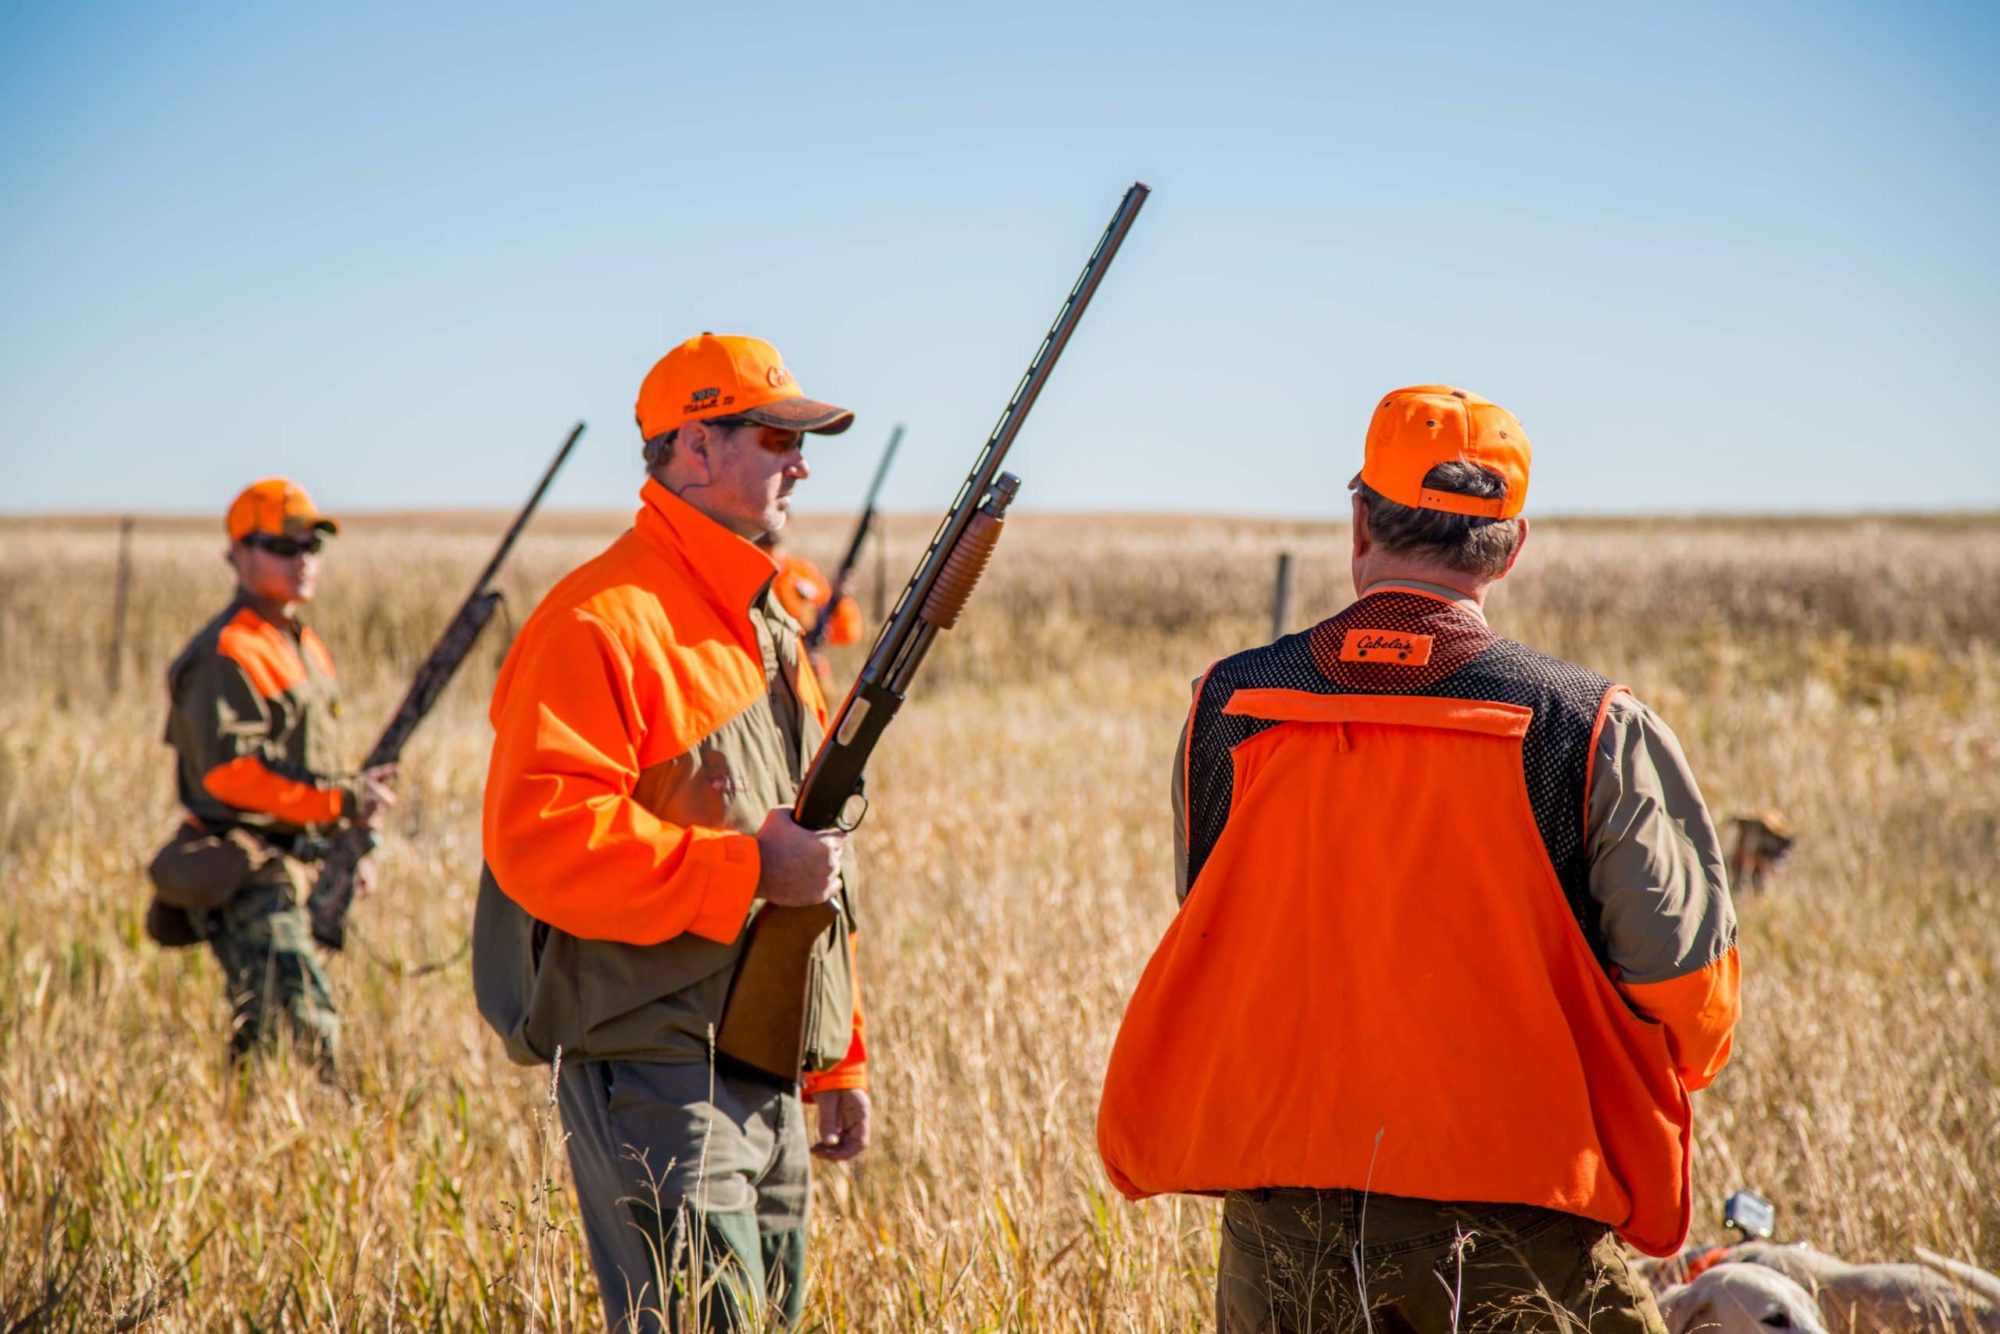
<point x="1454" y="943"/>
<point x="652" y="724"/>
<point x="253" y="724"/>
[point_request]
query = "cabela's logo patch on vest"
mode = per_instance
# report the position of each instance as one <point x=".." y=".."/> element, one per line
<point x="1389" y="646"/>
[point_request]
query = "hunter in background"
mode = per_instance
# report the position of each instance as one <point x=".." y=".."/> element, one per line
<point x="254" y="731"/>
<point x="825" y="608"/>
<point x="808" y="597"/>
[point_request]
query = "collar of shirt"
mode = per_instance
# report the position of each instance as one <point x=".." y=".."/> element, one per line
<point x="293" y="630"/>
<point x="737" y="570"/>
<point x="1463" y="601"/>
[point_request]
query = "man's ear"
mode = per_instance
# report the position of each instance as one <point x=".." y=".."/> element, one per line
<point x="695" y="448"/>
<point x="1361" y="539"/>
<point x="1519" y="547"/>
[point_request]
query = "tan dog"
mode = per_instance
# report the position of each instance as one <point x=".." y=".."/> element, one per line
<point x="1755" y="1281"/>
<point x="1938" y="1294"/>
<point x="1740" y="1299"/>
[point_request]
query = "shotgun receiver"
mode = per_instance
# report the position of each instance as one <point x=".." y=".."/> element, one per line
<point x="763" y="1024"/>
<point x="816" y="636"/>
<point x="333" y="892"/>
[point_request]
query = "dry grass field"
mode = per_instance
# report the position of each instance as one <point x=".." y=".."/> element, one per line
<point x="1847" y="671"/>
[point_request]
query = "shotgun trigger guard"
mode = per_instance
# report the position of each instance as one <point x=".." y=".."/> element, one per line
<point x="850" y="817"/>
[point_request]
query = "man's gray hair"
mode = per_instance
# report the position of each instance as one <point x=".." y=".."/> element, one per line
<point x="1463" y="542"/>
<point x="658" y="450"/>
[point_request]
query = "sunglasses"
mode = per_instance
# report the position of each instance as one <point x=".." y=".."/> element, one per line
<point x="285" y="547"/>
<point x="731" y="423"/>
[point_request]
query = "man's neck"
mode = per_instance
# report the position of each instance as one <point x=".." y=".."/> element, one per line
<point x="692" y="495"/>
<point x="1377" y="572"/>
<point x="276" y="612"/>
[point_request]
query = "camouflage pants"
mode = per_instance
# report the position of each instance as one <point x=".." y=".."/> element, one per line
<point x="1328" y="1260"/>
<point x="264" y="944"/>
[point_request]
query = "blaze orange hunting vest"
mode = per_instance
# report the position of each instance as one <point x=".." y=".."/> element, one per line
<point x="1387" y="973"/>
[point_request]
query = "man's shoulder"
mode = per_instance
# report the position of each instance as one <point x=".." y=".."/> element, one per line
<point x="640" y="598"/>
<point x="1629" y="720"/>
<point x="620" y="588"/>
<point x="233" y="635"/>
<point x="1546" y="668"/>
<point x="1258" y="657"/>
<point x="204" y="639"/>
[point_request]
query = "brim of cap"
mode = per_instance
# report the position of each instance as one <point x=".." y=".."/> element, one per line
<point x="298" y="523"/>
<point x="801" y="414"/>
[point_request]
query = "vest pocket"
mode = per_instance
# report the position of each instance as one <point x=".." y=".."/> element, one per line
<point x="197" y="869"/>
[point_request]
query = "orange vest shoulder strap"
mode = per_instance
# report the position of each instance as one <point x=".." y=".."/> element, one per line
<point x="264" y="653"/>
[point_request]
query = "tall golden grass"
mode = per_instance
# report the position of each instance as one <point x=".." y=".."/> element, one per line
<point x="1847" y="671"/>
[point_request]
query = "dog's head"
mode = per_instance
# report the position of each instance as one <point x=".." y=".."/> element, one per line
<point x="1758" y="846"/>
<point x="1740" y="1299"/>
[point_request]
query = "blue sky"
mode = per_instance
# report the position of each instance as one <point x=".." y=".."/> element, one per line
<point x="1716" y="257"/>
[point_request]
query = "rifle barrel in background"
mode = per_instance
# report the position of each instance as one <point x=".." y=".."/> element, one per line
<point x="333" y="892"/>
<point x="816" y="636"/>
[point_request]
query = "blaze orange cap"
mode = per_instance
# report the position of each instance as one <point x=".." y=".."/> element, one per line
<point x="1417" y="428"/>
<point x="729" y="375"/>
<point x="278" y="506"/>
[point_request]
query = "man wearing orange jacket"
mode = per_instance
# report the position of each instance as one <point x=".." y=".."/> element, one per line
<point x="804" y="592"/>
<point x="652" y="724"/>
<point x="254" y="731"/>
<point x="1454" y="942"/>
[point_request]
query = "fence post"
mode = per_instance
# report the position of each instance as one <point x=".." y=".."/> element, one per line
<point x="114" y="667"/>
<point x="1281" y="595"/>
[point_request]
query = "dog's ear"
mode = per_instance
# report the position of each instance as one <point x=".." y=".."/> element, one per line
<point x="1683" y="1309"/>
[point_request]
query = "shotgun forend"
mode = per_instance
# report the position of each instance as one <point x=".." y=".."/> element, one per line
<point x="968" y="559"/>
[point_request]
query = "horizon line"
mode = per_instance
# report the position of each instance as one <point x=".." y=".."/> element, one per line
<point x="1051" y="511"/>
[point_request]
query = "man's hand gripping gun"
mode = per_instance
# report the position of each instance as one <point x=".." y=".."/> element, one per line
<point x="763" y="1024"/>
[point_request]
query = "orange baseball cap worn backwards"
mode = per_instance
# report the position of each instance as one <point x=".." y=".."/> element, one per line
<point x="1417" y="428"/>
<point x="729" y="375"/>
<point x="277" y="506"/>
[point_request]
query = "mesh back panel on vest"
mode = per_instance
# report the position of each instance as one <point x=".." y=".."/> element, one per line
<point x="1466" y="660"/>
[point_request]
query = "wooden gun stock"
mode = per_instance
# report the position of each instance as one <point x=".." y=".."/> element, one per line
<point x="764" y="1023"/>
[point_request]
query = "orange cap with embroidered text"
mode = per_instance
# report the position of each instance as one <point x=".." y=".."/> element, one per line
<point x="729" y="375"/>
<point x="278" y="506"/>
<point x="1417" y="428"/>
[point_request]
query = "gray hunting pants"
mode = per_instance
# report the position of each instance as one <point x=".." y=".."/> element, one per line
<point x="692" y="1185"/>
